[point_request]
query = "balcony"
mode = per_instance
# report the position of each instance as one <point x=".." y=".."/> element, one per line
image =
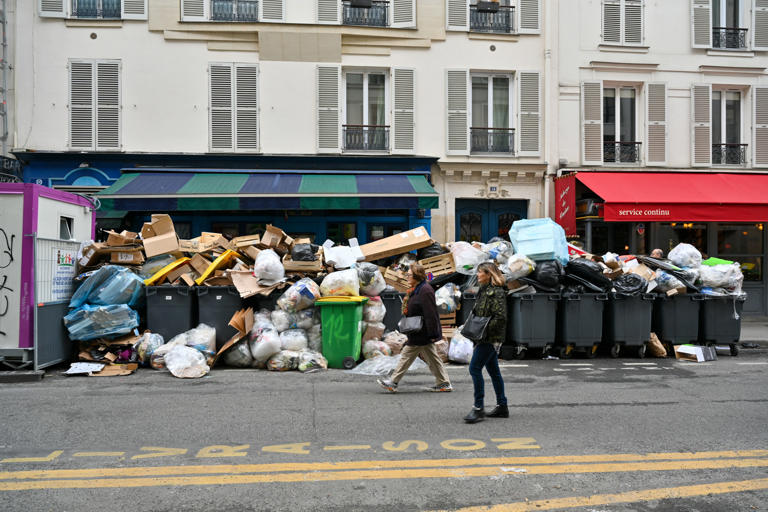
<point x="10" y="170"/>
<point x="366" y="137"/>
<point x="621" y="152"/>
<point x="235" y="10"/>
<point x="729" y="154"/>
<point x="96" y="9"/>
<point x="498" y="19"/>
<point x="726" y="38"/>
<point x="371" y="13"/>
<point x="492" y="140"/>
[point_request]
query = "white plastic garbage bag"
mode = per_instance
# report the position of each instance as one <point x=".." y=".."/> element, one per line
<point x="265" y="346"/>
<point x="374" y="310"/>
<point x="283" y="361"/>
<point x="202" y="338"/>
<point x="466" y="258"/>
<point x="305" y="318"/>
<point x="395" y="340"/>
<point x="146" y="345"/>
<point x="268" y="267"/>
<point x="666" y="282"/>
<point x="301" y="295"/>
<point x="729" y="277"/>
<point x="519" y="265"/>
<point x="375" y="348"/>
<point x="186" y="362"/>
<point x="293" y="339"/>
<point x="238" y="355"/>
<point x="371" y="281"/>
<point x="460" y="350"/>
<point x="315" y="337"/>
<point x="448" y="298"/>
<point x="685" y="255"/>
<point x="344" y="282"/>
<point x="311" y="361"/>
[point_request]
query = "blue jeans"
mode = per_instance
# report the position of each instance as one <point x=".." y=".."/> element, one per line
<point x="485" y="355"/>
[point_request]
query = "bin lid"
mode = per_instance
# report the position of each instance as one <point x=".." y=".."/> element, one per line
<point x="339" y="299"/>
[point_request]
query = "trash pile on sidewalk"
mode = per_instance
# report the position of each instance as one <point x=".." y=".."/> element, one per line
<point x="293" y="294"/>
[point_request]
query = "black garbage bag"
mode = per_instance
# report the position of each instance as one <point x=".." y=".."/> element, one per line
<point x="583" y="284"/>
<point x="589" y="271"/>
<point x="573" y="288"/>
<point x="304" y="252"/>
<point x="548" y="273"/>
<point x="540" y="287"/>
<point x="630" y="284"/>
<point x="430" y="251"/>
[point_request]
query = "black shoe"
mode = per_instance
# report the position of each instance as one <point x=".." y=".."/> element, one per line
<point x="475" y="415"/>
<point x="500" y="411"/>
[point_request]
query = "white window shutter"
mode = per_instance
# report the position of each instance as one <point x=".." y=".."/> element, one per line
<point x="457" y="14"/>
<point x="246" y="107"/>
<point x="760" y="25"/>
<point x="633" y="21"/>
<point x="458" y="111"/>
<point x="220" y="108"/>
<point x="760" y="127"/>
<point x="329" y="12"/>
<point x="107" y="105"/>
<point x="612" y="21"/>
<point x="271" y="10"/>
<point x="701" y="125"/>
<point x="53" y="8"/>
<point x="195" y="10"/>
<point x="81" y="105"/>
<point x="403" y="13"/>
<point x="328" y="109"/>
<point x="701" y="23"/>
<point x="134" y="9"/>
<point x="530" y="113"/>
<point x="404" y="103"/>
<point x="592" y="123"/>
<point x="656" y="124"/>
<point x="529" y="16"/>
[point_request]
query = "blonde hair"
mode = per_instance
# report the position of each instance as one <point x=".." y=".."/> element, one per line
<point x="496" y="278"/>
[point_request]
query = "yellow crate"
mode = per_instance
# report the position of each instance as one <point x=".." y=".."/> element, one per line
<point x="438" y="265"/>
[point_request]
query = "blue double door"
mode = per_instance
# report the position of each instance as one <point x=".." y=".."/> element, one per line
<point x="479" y="220"/>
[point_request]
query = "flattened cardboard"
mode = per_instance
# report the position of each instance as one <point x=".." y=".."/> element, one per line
<point x="179" y="271"/>
<point x="695" y="353"/>
<point x="245" y="241"/>
<point x="189" y="278"/>
<point x="160" y="224"/>
<point x="190" y="245"/>
<point x="116" y="370"/>
<point x="242" y="321"/>
<point x="200" y="263"/>
<point x="397" y="244"/>
<point x="643" y="271"/>
<point x="248" y="285"/>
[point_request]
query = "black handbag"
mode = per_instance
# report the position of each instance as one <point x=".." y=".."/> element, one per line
<point x="476" y="327"/>
<point x="410" y="324"/>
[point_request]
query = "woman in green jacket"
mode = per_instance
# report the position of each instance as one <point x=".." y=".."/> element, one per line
<point x="492" y="302"/>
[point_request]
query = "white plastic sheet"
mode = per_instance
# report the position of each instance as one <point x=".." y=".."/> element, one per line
<point x="186" y="362"/>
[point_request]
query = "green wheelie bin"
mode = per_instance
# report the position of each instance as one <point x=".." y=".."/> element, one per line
<point x="342" y="326"/>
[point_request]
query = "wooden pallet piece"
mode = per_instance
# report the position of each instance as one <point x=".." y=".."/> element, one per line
<point x="396" y="279"/>
<point x="438" y="265"/>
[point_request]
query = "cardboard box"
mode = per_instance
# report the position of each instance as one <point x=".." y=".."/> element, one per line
<point x="159" y="236"/>
<point x="121" y="239"/>
<point x="160" y="224"/>
<point x="129" y="257"/>
<point x="304" y="266"/>
<point x="190" y="245"/>
<point x="92" y="254"/>
<point x="397" y="244"/>
<point x="272" y="236"/>
<point x="200" y="263"/>
<point x="695" y="353"/>
<point x="189" y="278"/>
<point x="643" y="271"/>
<point x="179" y="271"/>
<point x="252" y="252"/>
<point x="245" y="241"/>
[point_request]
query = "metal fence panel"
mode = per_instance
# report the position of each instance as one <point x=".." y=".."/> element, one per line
<point x="55" y="266"/>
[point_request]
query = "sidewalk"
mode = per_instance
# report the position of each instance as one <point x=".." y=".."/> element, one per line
<point x="754" y="329"/>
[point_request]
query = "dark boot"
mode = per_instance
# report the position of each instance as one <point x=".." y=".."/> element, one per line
<point x="500" y="411"/>
<point x="475" y="415"/>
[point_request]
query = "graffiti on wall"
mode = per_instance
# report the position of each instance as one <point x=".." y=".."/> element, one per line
<point x="6" y="260"/>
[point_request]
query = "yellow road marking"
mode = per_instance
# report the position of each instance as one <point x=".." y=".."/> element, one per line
<point x="685" y="491"/>
<point x="462" y="444"/>
<point x="348" y="447"/>
<point x="373" y="464"/>
<point x="300" y="448"/>
<point x="159" y="452"/>
<point x="98" y="454"/>
<point x="47" y="458"/>
<point x="515" y="443"/>
<point x="223" y="451"/>
<point x="380" y="474"/>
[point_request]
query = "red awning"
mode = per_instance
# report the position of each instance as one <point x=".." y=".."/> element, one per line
<point x="702" y="197"/>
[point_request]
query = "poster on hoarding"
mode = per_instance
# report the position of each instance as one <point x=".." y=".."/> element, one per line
<point x="64" y="273"/>
<point x="565" y="203"/>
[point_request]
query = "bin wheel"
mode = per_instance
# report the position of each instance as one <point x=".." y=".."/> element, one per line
<point x="641" y="351"/>
<point x="348" y="363"/>
<point x="566" y="352"/>
<point x="591" y="352"/>
<point x="615" y="350"/>
<point x="734" y="349"/>
<point x="521" y="352"/>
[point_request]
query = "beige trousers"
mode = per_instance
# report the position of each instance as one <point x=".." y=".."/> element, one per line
<point x="429" y="353"/>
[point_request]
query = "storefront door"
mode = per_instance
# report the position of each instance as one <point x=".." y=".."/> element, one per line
<point x="479" y="220"/>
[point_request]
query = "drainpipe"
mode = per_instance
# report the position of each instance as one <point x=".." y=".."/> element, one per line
<point x="550" y="109"/>
<point x="4" y="84"/>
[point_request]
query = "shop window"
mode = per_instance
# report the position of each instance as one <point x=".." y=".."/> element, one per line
<point x="672" y="233"/>
<point x="471" y="227"/>
<point x="610" y="237"/>
<point x="255" y="228"/>
<point x="65" y="228"/>
<point x="743" y="243"/>
<point x="341" y="231"/>
<point x="183" y="230"/>
<point x="379" y="231"/>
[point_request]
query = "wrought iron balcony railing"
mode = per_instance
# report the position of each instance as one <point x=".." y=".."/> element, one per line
<point x="621" y="152"/>
<point x="377" y="15"/>
<point x="729" y="38"/>
<point x="100" y="9"/>
<point x="492" y="140"/>
<point x="366" y="137"/>
<point x="10" y="170"/>
<point x="729" y="154"/>
<point x="235" y="10"/>
<point x="498" y="21"/>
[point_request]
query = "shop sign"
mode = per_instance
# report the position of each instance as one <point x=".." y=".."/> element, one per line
<point x="641" y="229"/>
<point x="565" y="203"/>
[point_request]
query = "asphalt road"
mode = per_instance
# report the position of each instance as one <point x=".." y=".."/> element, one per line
<point x="601" y="434"/>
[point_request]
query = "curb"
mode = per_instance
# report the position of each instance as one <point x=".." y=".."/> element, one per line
<point x="21" y="376"/>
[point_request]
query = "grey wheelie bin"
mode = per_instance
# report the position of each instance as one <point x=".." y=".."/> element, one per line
<point x="720" y="320"/>
<point x="627" y="322"/>
<point x="580" y="323"/>
<point x="675" y="319"/>
<point x="530" y="323"/>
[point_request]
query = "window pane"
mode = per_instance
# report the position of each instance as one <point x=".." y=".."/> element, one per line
<point x="609" y="115"/>
<point x="671" y="234"/>
<point x="740" y="239"/>
<point x="751" y="267"/>
<point x="376" y="99"/>
<point x="255" y="228"/>
<point x="500" y="102"/>
<point x="717" y="118"/>
<point x="354" y="98"/>
<point x="340" y="231"/>
<point x="627" y="115"/>
<point x="480" y="101"/>
<point x="732" y="14"/>
<point x="65" y="228"/>
<point x="471" y="227"/>
<point x="505" y="222"/>
<point x="716" y="13"/>
<point x="732" y="117"/>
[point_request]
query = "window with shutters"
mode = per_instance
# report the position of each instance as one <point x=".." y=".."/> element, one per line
<point x="728" y="31"/>
<point x="366" y="111"/>
<point x="620" y="143"/>
<point x="369" y="13"/>
<point x="494" y="16"/>
<point x="94" y="9"/>
<point x="492" y="123"/>
<point x="727" y="148"/>
<point x="233" y="108"/>
<point x="235" y="10"/>
<point x="623" y="22"/>
<point x="94" y="104"/>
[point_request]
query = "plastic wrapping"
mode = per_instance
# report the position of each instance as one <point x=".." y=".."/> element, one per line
<point x="146" y="345"/>
<point x="265" y="346"/>
<point x="728" y="277"/>
<point x="155" y="264"/>
<point x="430" y="251"/>
<point x="371" y="281"/>
<point x="466" y="258"/>
<point x="395" y="340"/>
<point x="383" y="365"/>
<point x="539" y="239"/>
<point x="685" y="256"/>
<point x="284" y="361"/>
<point x="109" y="285"/>
<point x="186" y="362"/>
<point x="283" y="320"/>
<point x="293" y="339"/>
<point x="499" y="251"/>
<point x="202" y="338"/>
<point x="268" y="267"/>
<point x="630" y="284"/>
<point x="262" y="321"/>
<point x="460" y="349"/>
<point x="239" y="355"/>
<point x="373" y="331"/>
<point x="374" y="310"/>
<point x="301" y="295"/>
<point x="157" y="359"/>
<point x="315" y="337"/>
<point x="448" y="298"/>
<point x="519" y="265"/>
<point x="91" y="322"/>
<point x="311" y="361"/>
<point x="375" y="348"/>
<point x="666" y="281"/>
<point x="344" y="282"/>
